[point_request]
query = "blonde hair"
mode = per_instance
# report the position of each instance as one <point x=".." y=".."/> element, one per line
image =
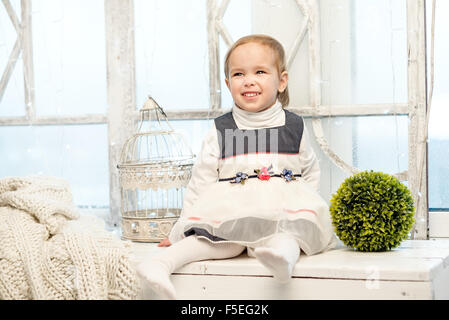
<point x="278" y="51"/>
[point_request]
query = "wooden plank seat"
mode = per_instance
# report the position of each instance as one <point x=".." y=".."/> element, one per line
<point x="418" y="269"/>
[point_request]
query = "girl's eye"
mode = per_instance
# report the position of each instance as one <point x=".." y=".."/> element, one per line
<point x="260" y="72"/>
<point x="237" y="74"/>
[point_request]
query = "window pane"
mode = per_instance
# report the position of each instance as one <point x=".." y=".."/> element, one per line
<point x="13" y="101"/>
<point x="364" y="51"/>
<point x="194" y="132"/>
<point x="438" y="173"/>
<point x="69" y="57"/>
<point x="77" y="153"/>
<point x="172" y="53"/>
<point x="338" y="133"/>
<point x="438" y="147"/>
<point x="366" y="143"/>
<point x="380" y="51"/>
<point x="381" y="143"/>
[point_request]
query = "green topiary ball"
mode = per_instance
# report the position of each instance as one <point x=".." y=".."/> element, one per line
<point x="372" y="211"/>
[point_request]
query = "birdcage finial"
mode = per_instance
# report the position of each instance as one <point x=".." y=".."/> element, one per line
<point x="151" y="104"/>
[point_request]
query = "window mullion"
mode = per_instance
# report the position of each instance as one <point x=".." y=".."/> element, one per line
<point x="121" y="86"/>
<point x="27" y="56"/>
<point x="214" y="55"/>
<point x="417" y="101"/>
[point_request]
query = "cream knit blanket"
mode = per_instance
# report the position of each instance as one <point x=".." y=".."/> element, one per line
<point x="48" y="252"/>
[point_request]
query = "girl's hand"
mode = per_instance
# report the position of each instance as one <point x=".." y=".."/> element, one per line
<point x="164" y="243"/>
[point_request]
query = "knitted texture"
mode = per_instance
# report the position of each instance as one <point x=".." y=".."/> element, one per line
<point x="48" y="251"/>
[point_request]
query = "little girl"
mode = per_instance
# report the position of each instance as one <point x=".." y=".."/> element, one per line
<point x="255" y="183"/>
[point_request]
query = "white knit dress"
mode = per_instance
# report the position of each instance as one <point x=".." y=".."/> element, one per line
<point x="279" y="189"/>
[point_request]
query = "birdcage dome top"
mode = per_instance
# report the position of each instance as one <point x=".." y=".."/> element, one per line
<point x="155" y="141"/>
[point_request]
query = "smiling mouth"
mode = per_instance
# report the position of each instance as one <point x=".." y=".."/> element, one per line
<point x="250" y="94"/>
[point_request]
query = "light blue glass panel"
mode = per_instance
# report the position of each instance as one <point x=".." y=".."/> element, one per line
<point x="438" y="147"/>
<point x="439" y="173"/>
<point x="77" y="153"/>
<point x="381" y="143"/>
<point x="13" y="101"/>
<point x="69" y="57"/>
<point x="172" y="53"/>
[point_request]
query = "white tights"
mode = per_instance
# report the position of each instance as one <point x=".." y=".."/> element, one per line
<point x="279" y="254"/>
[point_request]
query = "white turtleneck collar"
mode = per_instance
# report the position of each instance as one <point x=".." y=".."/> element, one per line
<point x="271" y="117"/>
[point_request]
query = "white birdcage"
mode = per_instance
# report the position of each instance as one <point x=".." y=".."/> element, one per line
<point x="155" y="167"/>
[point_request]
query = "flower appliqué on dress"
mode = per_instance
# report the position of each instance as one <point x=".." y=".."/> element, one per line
<point x="240" y="177"/>
<point x="264" y="173"/>
<point x="287" y="175"/>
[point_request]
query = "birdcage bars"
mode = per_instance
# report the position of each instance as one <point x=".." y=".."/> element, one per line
<point x="155" y="166"/>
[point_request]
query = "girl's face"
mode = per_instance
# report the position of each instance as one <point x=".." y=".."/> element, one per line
<point x="253" y="77"/>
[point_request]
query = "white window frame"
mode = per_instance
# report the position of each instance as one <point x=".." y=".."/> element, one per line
<point x="121" y="90"/>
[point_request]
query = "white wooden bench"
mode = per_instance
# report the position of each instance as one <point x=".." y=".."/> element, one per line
<point x="418" y="269"/>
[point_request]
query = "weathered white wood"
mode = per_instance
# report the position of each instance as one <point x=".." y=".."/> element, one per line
<point x="418" y="269"/>
<point x="439" y="224"/>
<point x="121" y="86"/>
<point x="59" y="120"/>
<point x="407" y="264"/>
<point x="24" y="44"/>
<point x="440" y="285"/>
<point x="214" y="56"/>
<point x="222" y="9"/>
<point x="224" y="33"/>
<point x="27" y="57"/>
<point x="261" y="288"/>
<point x="201" y="113"/>
<point x="417" y="100"/>
<point x="306" y="111"/>
<point x="219" y="23"/>
<point x="12" y="15"/>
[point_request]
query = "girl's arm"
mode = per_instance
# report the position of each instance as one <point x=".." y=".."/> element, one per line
<point x="205" y="169"/>
<point x="310" y="168"/>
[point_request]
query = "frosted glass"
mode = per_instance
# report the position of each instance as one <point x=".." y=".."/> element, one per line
<point x="77" y="153"/>
<point x="69" y="57"/>
<point x="172" y="53"/>
<point x="193" y="131"/>
<point x="367" y="143"/>
<point x="381" y="143"/>
<point x="438" y="147"/>
<point x="363" y="51"/>
<point x="379" y="54"/>
<point x="13" y="102"/>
